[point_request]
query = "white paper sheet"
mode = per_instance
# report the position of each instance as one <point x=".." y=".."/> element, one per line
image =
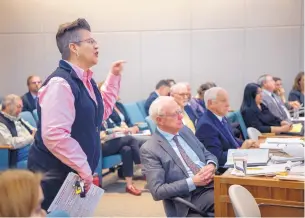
<point x="66" y="199"/>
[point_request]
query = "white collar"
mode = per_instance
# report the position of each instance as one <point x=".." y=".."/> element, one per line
<point x="267" y="92"/>
<point x="218" y="117"/>
<point x="157" y="92"/>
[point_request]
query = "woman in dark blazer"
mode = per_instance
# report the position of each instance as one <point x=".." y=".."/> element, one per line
<point x="257" y="115"/>
<point x="297" y="92"/>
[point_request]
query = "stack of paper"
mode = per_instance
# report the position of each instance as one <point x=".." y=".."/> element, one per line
<point x="256" y="157"/>
<point x="68" y="201"/>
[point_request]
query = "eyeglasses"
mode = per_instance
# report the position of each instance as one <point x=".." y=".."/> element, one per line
<point x="176" y="114"/>
<point x="37" y="82"/>
<point x="90" y="41"/>
<point x="183" y="94"/>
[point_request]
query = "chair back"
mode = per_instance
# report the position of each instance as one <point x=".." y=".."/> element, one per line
<point x="35" y="115"/>
<point x="237" y="117"/>
<point x="27" y="116"/>
<point x="142" y="108"/>
<point x="253" y="133"/>
<point x="151" y="124"/>
<point x="4" y="158"/>
<point x="134" y="113"/>
<point x="244" y="204"/>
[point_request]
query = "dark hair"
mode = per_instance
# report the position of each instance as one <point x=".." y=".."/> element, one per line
<point x="276" y="79"/>
<point x="28" y="81"/>
<point x="250" y="93"/>
<point x="204" y="87"/>
<point x="162" y="83"/>
<point x="68" y="33"/>
<point x="169" y="81"/>
<point x="296" y="85"/>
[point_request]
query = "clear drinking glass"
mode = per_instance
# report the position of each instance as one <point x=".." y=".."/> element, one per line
<point x="240" y="163"/>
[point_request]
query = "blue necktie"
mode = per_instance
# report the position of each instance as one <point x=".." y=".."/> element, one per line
<point x="233" y="140"/>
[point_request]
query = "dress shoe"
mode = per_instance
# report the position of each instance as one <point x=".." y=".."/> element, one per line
<point x="133" y="191"/>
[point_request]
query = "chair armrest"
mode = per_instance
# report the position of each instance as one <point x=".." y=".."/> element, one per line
<point x="5" y="146"/>
<point x="277" y="205"/>
<point x="189" y="204"/>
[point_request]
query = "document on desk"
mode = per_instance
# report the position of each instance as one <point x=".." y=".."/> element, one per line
<point x="296" y="128"/>
<point x="256" y="157"/>
<point x="68" y="201"/>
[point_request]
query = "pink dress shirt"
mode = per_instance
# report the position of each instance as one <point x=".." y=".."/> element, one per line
<point x="58" y="113"/>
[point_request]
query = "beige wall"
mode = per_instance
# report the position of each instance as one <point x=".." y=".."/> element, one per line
<point x="230" y="42"/>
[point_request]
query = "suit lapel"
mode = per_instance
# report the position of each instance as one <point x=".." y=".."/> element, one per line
<point x="219" y="126"/>
<point x="31" y="101"/>
<point x="168" y="148"/>
<point x="192" y="143"/>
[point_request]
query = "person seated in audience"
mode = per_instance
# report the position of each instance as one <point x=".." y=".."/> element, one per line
<point x="297" y="92"/>
<point x="162" y="89"/>
<point x="171" y="82"/>
<point x="176" y="164"/>
<point x="271" y="100"/>
<point x="14" y="131"/>
<point x="115" y="140"/>
<point x="257" y="115"/>
<point x="30" y="98"/>
<point x="213" y="129"/>
<point x="181" y="95"/>
<point x="197" y="102"/>
<point x="119" y="116"/>
<point x="21" y="194"/>
<point x="280" y="91"/>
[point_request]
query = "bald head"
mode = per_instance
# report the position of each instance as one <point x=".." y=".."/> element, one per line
<point x="166" y="113"/>
<point x="217" y="101"/>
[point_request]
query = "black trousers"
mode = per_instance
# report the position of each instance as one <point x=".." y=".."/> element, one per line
<point x="203" y="198"/>
<point x="128" y="147"/>
<point x="50" y="184"/>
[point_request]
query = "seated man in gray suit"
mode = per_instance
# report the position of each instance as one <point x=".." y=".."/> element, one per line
<point x="176" y="164"/>
<point x="271" y="100"/>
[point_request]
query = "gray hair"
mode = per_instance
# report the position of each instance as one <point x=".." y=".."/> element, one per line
<point x="211" y="94"/>
<point x="262" y="80"/>
<point x="158" y="106"/>
<point x="69" y="33"/>
<point x="177" y="87"/>
<point x="10" y="100"/>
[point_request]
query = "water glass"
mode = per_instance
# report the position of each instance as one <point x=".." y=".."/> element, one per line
<point x="240" y="163"/>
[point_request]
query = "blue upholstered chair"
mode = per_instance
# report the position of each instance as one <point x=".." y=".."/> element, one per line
<point x="151" y="124"/>
<point x="237" y="117"/>
<point x="27" y="116"/>
<point x="134" y="113"/>
<point x="35" y="115"/>
<point x="141" y="107"/>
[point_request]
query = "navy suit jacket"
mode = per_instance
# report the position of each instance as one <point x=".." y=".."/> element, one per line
<point x="153" y="96"/>
<point x="117" y="119"/>
<point x="211" y="132"/>
<point x="191" y="113"/>
<point x="28" y="102"/>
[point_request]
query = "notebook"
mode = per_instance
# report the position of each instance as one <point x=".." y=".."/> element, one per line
<point x="256" y="157"/>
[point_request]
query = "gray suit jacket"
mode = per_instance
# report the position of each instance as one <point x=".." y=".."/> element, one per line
<point x="166" y="176"/>
<point x="277" y="111"/>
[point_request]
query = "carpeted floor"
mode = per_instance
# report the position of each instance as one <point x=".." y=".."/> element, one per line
<point x="116" y="203"/>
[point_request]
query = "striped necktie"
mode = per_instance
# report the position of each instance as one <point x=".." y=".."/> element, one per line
<point x="188" y="161"/>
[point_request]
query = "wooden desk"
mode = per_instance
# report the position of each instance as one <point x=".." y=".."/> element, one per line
<point x="264" y="136"/>
<point x="5" y="146"/>
<point x="264" y="190"/>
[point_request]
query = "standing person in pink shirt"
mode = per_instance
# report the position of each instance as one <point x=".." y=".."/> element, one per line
<point x="70" y="110"/>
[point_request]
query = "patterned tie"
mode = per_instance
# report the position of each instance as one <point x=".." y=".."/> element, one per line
<point x="225" y="125"/>
<point x="193" y="167"/>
